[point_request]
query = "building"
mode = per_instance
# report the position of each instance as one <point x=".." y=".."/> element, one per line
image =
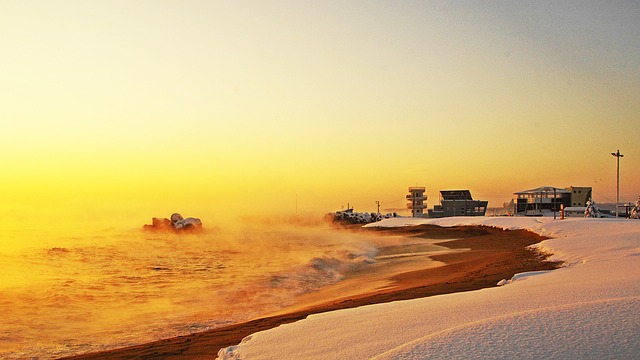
<point x="550" y="199"/>
<point x="579" y="195"/>
<point x="417" y="201"/>
<point x="458" y="203"/>
<point x="542" y="199"/>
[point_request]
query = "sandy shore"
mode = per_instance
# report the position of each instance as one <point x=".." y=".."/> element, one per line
<point x="494" y="254"/>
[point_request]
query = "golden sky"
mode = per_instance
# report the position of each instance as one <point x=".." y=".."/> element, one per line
<point x="135" y="109"/>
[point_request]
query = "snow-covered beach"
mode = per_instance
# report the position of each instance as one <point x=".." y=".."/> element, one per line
<point x="410" y="262"/>
<point x="590" y="308"/>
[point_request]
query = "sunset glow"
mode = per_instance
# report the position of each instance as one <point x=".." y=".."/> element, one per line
<point x="118" y="111"/>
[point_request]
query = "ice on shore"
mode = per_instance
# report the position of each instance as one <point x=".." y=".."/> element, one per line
<point x="521" y="276"/>
<point x="588" y="309"/>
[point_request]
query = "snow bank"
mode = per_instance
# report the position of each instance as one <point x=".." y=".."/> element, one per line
<point x="587" y="309"/>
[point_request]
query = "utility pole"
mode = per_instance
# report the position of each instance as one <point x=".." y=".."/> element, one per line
<point x="618" y="156"/>
<point x="378" y="202"/>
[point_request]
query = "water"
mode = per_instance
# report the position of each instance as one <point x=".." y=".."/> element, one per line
<point x="102" y="289"/>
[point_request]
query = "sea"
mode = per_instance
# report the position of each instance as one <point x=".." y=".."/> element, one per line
<point x="74" y="291"/>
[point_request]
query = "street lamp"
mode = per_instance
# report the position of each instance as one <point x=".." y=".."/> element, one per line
<point x="618" y="156"/>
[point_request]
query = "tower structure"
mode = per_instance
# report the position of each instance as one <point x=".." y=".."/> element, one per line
<point x="417" y="201"/>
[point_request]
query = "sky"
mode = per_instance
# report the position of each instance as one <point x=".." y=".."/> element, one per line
<point x="121" y="109"/>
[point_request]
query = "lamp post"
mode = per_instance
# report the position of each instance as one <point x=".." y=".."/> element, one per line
<point x="555" y="202"/>
<point x="618" y="156"/>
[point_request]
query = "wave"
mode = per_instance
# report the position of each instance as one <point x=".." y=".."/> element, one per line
<point x="324" y="270"/>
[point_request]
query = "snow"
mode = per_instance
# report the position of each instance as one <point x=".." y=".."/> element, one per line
<point x="590" y="308"/>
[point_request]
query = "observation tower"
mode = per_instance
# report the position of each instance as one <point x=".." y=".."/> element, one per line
<point x="417" y="201"/>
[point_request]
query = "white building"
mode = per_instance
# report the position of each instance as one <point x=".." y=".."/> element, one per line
<point x="417" y="201"/>
<point x="550" y="199"/>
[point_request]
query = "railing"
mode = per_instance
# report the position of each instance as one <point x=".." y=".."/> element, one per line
<point x="543" y="200"/>
<point x="411" y="206"/>
<point x="411" y="197"/>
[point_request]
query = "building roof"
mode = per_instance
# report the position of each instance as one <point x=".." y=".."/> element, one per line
<point x="456" y="195"/>
<point x="544" y="189"/>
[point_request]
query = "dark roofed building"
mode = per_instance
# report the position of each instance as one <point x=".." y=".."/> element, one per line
<point x="458" y="203"/>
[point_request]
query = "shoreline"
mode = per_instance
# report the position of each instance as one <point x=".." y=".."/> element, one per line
<point x="493" y="254"/>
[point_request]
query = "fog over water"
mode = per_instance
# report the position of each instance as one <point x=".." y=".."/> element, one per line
<point x="69" y="292"/>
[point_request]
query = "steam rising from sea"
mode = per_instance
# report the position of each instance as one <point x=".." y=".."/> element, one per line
<point x="114" y="288"/>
